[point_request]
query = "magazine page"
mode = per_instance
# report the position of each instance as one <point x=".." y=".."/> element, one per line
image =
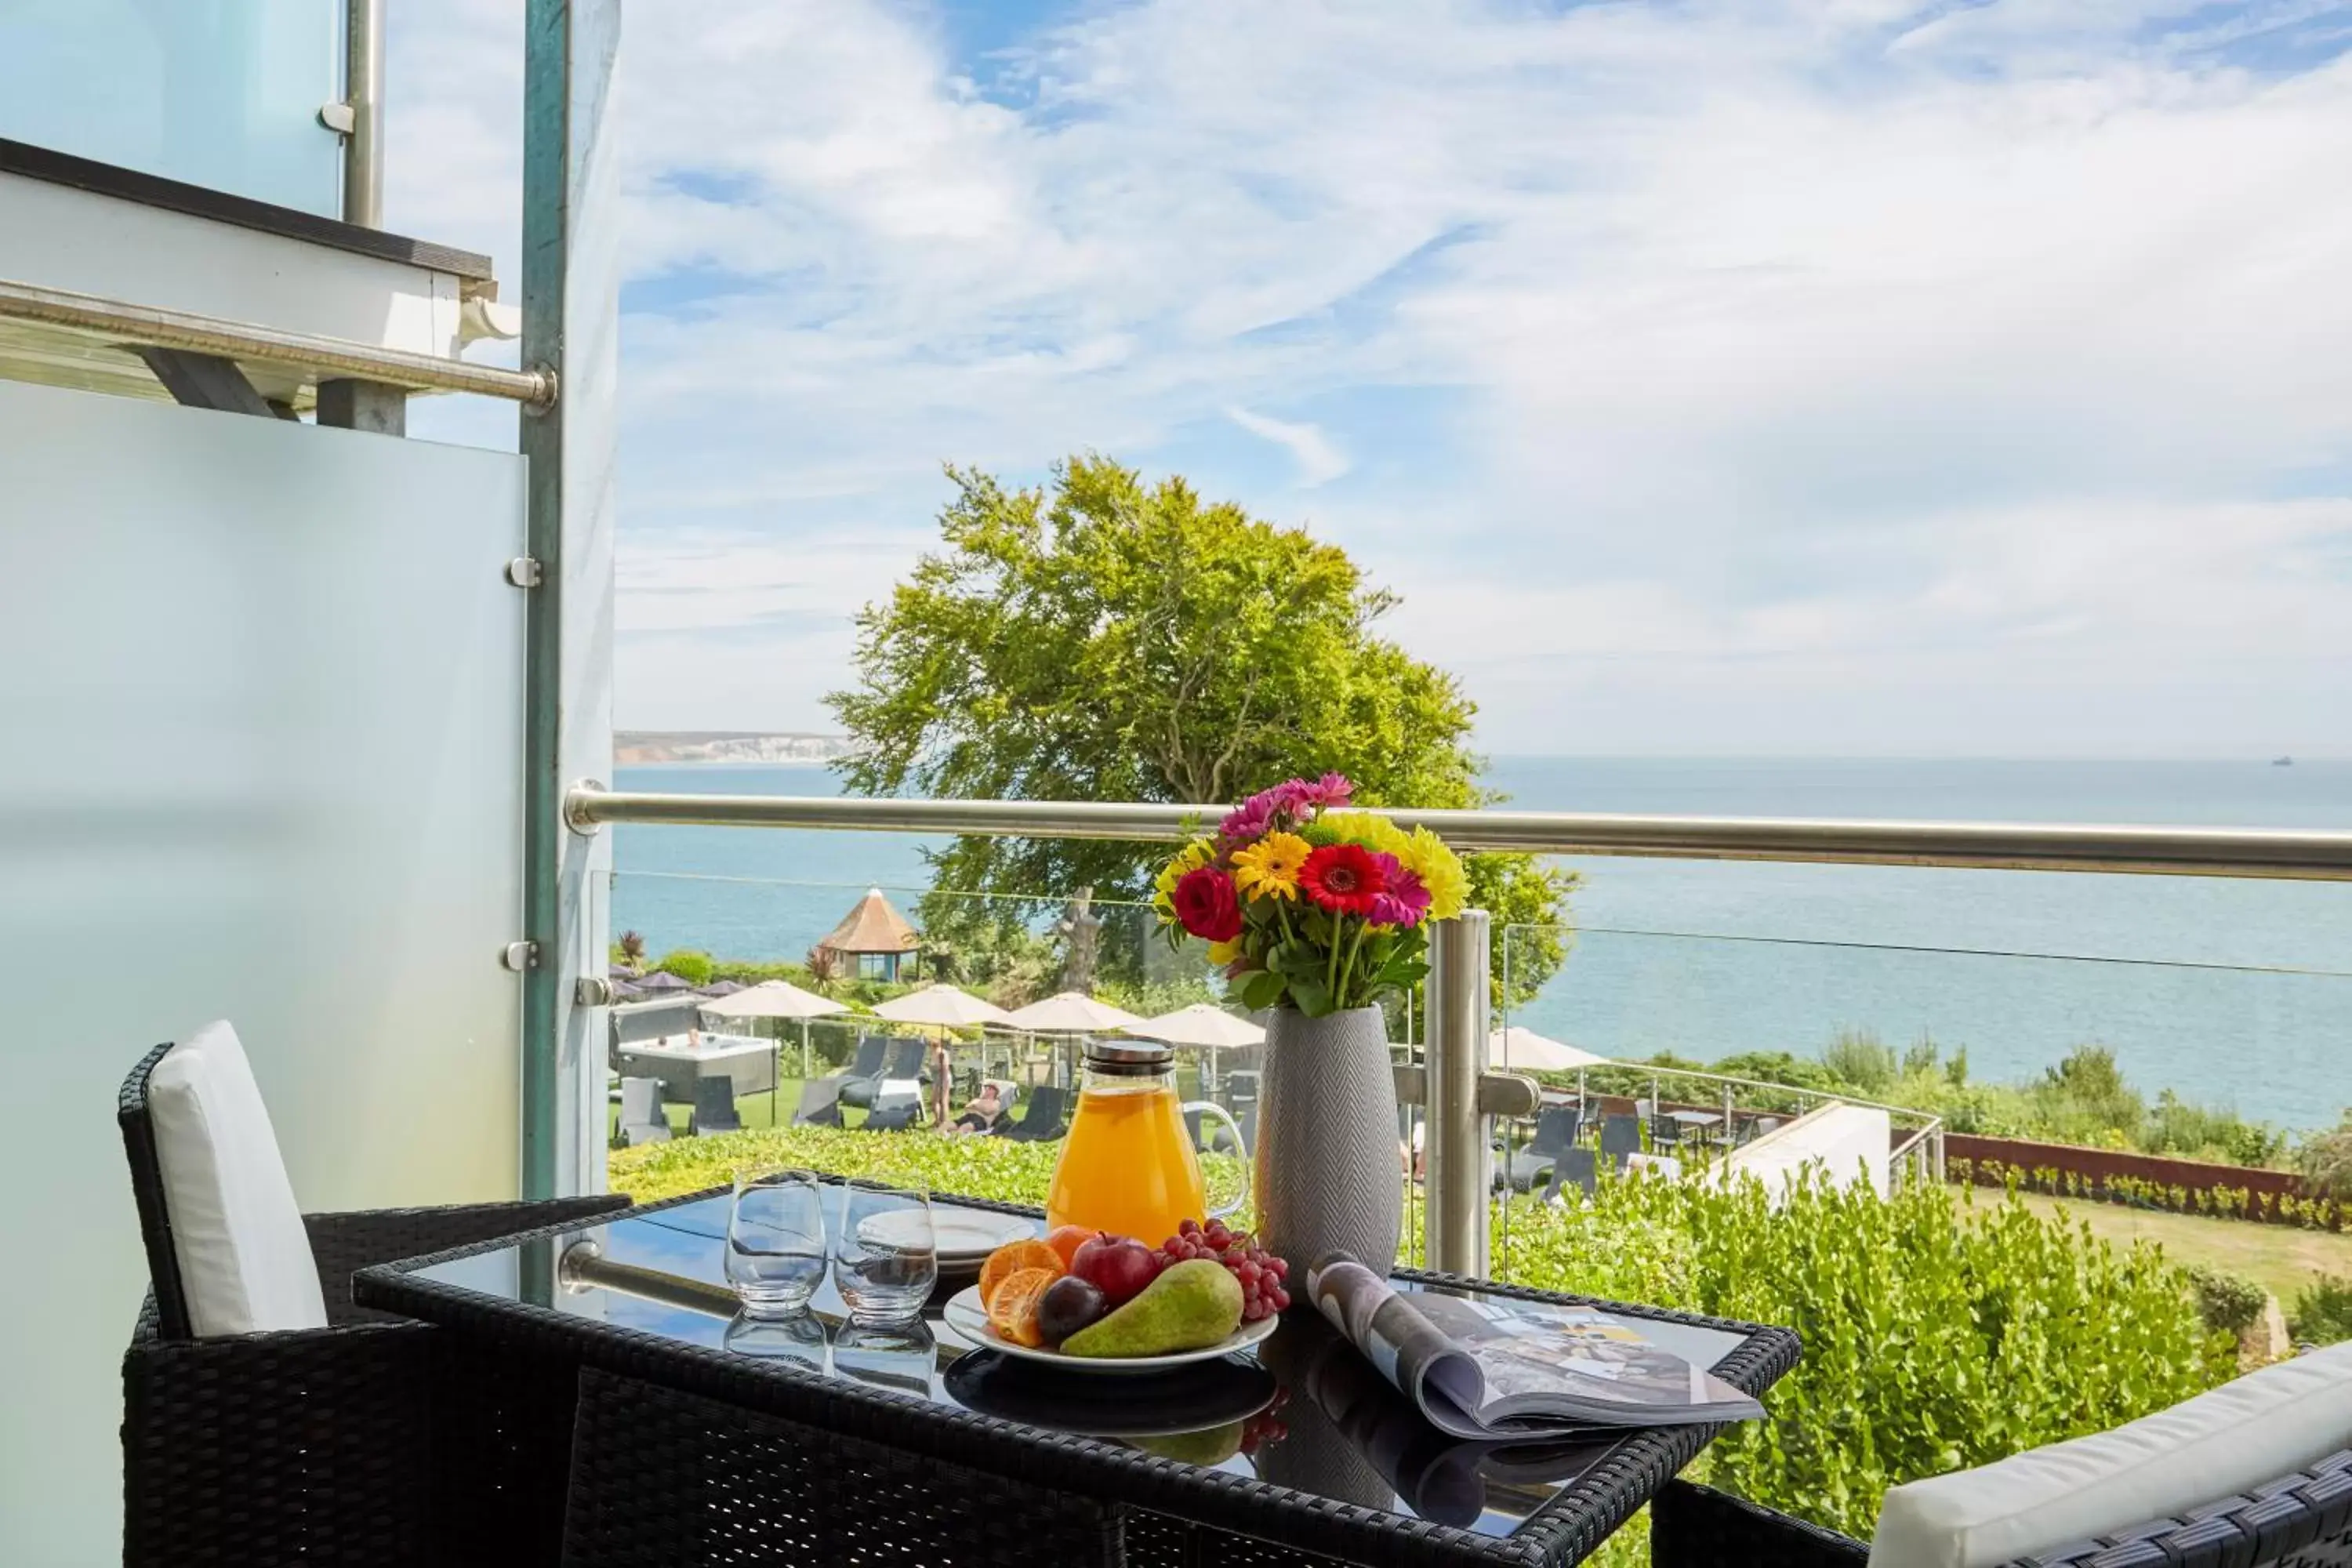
<point x="1492" y="1366"/>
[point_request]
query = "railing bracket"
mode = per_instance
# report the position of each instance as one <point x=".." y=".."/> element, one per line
<point x="521" y="955"/>
<point x="523" y="572"/>
<point x="577" y="815"/>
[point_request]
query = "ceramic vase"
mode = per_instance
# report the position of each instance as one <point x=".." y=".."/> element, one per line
<point x="1328" y="1175"/>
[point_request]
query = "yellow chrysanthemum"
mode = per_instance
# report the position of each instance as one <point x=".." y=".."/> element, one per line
<point x="1269" y="867"/>
<point x="1370" y="829"/>
<point x="1223" y="952"/>
<point x="1424" y="854"/>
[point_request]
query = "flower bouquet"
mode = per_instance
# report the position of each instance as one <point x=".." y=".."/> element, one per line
<point x="1308" y="903"/>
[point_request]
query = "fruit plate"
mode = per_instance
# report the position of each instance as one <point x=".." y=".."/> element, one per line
<point x="965" y="1315"/>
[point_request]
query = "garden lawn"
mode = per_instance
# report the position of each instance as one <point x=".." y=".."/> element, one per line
<point x="2281" y="1258"/>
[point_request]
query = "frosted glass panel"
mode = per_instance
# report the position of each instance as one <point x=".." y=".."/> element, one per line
<point x="259" y="759"/>
<point x="221" y="93"/>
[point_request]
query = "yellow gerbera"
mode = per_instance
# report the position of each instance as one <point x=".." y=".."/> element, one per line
<point x="1440" y="870"/>
<point x="1269" y="867"/>
<point x="1221" y="953"/>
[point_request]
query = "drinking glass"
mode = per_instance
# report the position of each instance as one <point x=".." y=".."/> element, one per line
<point x="799" y="1337"/>
<point x="776" y="1242"/>
<point x="885" y="1253"/>
<point x="890" y="1356"/>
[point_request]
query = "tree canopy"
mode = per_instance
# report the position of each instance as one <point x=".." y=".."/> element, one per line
<point x="1100" y="639"/>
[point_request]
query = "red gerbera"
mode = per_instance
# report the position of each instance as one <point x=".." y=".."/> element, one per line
<point x="1345" y="878"/>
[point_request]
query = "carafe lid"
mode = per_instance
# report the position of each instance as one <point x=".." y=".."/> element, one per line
<point x="1128" y="1054"/>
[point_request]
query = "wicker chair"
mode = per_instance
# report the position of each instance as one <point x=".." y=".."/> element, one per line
<point x="372" y="1441"/>
<point x="2299" y="1521"/>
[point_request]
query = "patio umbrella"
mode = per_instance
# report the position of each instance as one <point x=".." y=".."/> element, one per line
<point x="1071" y="1012"/>
<point x="1205" y="1024"/>
<point x="1526" y="1050"/>
<point x="723" y="988"/>
<point x="660" y="980"/>
<point x="777" y="999"/>
<point x="943" y="1007"/>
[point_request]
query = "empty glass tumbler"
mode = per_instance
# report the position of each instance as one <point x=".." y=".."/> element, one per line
<point x="885" y="1253"/>
<point x="776" y="1242"/>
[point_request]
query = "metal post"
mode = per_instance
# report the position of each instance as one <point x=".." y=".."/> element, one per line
<point x="363" y="94"/>
<point x="1458" y="1002"/>
<point x="571" y="311"/>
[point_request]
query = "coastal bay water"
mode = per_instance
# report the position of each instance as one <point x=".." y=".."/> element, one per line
<point x="2231" y="992"/>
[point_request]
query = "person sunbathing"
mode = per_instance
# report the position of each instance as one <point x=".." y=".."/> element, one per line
<point x="980" y="1114"/>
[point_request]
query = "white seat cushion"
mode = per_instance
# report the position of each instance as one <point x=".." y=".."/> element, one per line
<point x="2257" y="1428"/>
<point x="245" y="1260"/>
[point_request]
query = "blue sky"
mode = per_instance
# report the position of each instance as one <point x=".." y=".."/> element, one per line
<point x="1852" y="377"/>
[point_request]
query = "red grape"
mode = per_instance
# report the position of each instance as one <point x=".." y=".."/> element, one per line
<point x="1259" y="1273"/>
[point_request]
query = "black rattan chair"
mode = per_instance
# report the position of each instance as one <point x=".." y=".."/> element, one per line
<point x="1575" y="1168"/>
<point x="2299" y="1521"/>
<point x="1556" y="1132"/>
<point x="714" y="1106"/>
<point x="1665" y="1134"/>
<point x="1620" y="1136"/>
<point x="372" y="1441"/>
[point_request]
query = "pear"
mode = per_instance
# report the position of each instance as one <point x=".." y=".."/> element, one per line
<point x="1213" y="1445"/>
<point x="1192" y="1306"/>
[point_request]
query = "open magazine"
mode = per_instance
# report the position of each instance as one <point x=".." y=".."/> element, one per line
<point x="1497" y="1368"/>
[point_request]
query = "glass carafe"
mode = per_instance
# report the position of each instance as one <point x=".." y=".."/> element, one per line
<point x="1128" y="1165"/>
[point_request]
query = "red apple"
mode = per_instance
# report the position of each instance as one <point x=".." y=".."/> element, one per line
<point x="1118" y="1266"/>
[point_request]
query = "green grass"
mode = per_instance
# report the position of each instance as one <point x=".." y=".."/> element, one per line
<point x="2281" y="1258"/>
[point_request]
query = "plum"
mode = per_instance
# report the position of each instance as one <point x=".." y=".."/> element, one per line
<point x="1068" y="1305"/>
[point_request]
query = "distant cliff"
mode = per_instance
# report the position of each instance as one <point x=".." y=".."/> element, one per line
<point x="724" y="746"/>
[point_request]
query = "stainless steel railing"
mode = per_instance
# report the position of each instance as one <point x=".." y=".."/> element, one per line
<point x="1458" y="983"/>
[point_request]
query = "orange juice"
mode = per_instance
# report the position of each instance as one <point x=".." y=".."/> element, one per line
<point x="1127" y="1164"/>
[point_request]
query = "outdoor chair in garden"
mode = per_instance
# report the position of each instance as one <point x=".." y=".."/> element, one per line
<point x="714" y="1106"/>
<point x="1665" y="1133"/>
<point x="1556" y="1132"/>
<point x="864" y="1073"/>
<point x="1043" y="1121"/>
<point x="643" y="1121"/>
<point x="1620" y="1136"/>
<point x="1578" y="1168"/>
<point x="896" y="1110"/>
<point x="2254" y="1473"/>
<point x="910" y="1057"/>
<point x="820" y="1104"/>
<point x="266" y="1420"/>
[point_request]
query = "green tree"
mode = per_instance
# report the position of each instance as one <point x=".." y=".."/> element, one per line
<point x="1102" y="639"/>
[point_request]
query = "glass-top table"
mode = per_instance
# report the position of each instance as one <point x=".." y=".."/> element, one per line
<point x="1298" y="1440"/>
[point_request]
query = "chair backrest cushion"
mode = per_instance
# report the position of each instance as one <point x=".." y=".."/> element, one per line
<point x="2266" y="1424"/>
<point x="245" y="1260"/>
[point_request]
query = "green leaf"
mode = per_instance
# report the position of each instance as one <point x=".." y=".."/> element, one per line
<point x="1262" y="988"/>
<point x="1312" y="999"/>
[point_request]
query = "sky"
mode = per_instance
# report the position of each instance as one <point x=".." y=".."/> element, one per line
<point x="1846" y="378"/>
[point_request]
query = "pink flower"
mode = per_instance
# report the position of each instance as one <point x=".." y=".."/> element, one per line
<point x="1404" y="902"/>
<point x="1286" y="805"/>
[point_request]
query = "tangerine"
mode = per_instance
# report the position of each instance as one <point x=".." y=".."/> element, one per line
<point x="1066" y="1240"/>
<point x="1012" y="1310"/>
<point x="1027" y="1253"/>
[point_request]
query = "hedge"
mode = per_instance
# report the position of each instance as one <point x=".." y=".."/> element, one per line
<point x="2131" y="1191"/>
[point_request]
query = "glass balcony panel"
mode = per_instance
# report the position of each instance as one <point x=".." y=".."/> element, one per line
<point x="219" y="93"/>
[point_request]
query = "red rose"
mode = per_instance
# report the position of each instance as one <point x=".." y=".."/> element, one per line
<point x="1345" y="878"/>
<point x="1206" y="904"/>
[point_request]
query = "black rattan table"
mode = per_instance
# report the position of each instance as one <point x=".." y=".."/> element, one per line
<point x="698" y="1436"/>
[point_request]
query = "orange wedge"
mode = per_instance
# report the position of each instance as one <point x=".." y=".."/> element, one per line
<point x="1012" y="1310"/>
<point x="1009" y="1258"/>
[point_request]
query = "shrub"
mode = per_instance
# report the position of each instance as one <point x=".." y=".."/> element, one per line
<point x="2230" y="1303"/>
<point x="2326" y="1160"/>
<point x="1937" y="1334"/>
<point x="692" y="967"/>
<point x="1862" y="1061"/>
<point x="2322" y="1314"/>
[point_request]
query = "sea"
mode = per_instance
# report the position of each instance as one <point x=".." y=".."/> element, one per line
<point x="2231" y="993"/>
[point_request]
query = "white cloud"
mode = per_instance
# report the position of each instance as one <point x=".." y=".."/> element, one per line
<point x="1804" y="375"/>
<point x="1319" y="461"/>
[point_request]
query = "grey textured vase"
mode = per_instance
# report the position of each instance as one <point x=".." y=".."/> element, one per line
<point x="1328" y="1175"/>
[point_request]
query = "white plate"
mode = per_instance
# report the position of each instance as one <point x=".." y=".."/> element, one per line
<point x="963" y="1238"/>
<point x="964" y="1315"/>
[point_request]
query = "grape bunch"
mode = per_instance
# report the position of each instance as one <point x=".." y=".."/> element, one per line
<point x="1259" y="1272"/>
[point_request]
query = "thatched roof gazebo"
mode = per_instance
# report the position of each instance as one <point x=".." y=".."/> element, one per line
<point x="875" y="935"/>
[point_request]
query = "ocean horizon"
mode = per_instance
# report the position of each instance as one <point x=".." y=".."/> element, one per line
<point x="2233" y="993"/>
